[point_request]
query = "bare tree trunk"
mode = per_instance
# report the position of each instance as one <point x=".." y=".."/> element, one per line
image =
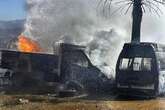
<point x="137" y="19"/>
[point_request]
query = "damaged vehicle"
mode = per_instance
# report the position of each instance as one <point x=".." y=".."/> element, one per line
<point x="140" y="70"/>
<point x="68" y="68"/>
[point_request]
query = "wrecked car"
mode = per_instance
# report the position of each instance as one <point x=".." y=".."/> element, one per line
<point x="140" y="70"/>
<point x="69" y="65"/>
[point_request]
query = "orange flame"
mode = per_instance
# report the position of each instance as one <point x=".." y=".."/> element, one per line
<point x="27" y="45"/>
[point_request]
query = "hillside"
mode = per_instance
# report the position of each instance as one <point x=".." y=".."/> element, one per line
<point x="9" y="30"/>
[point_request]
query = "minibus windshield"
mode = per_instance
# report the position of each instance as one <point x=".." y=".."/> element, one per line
<point x="136" y="64"/>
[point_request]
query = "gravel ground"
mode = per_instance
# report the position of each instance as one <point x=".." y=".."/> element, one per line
<point x="40" y="102"/>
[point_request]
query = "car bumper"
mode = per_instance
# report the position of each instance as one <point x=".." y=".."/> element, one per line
<point x="136" y="92"/>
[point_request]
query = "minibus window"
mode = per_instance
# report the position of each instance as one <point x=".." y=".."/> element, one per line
<point x="161" y="64"/>
<point x="137" y="64"/>
<point x="161" y="60"/>
<point x="142" y="64"/>
<point x="147" y="64"/>
<point x="125" y="63"/>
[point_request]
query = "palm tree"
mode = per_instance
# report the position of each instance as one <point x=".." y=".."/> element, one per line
<point x="138" y="6"/>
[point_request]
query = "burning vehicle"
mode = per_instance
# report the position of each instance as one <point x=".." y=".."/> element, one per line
<point x="68" y="68"/>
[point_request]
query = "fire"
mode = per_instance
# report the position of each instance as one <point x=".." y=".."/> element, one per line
<point x="28" y="45"/>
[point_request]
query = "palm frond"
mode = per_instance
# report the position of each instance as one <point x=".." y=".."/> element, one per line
<point x="125" y="5"/>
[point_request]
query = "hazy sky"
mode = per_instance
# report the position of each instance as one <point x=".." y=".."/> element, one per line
<point x="12" y="9"/>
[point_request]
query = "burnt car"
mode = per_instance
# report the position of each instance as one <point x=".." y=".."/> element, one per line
<point x="140" y="70"/>
<point x="68" y="64"/>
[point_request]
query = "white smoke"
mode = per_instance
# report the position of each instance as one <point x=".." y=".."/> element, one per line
<point x="77" y="21"/>
<point x="153" y="25"/>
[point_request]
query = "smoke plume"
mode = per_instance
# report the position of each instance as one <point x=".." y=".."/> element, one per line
<point x="78" y="22"/>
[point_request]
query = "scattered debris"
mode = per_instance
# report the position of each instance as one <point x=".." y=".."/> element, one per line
<point x="23" y="101"/>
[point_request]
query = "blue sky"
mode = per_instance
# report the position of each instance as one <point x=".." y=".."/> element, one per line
<point x="12" y="9"/>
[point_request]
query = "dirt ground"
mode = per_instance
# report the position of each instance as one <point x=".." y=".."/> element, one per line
<point x="30" y="102"/>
